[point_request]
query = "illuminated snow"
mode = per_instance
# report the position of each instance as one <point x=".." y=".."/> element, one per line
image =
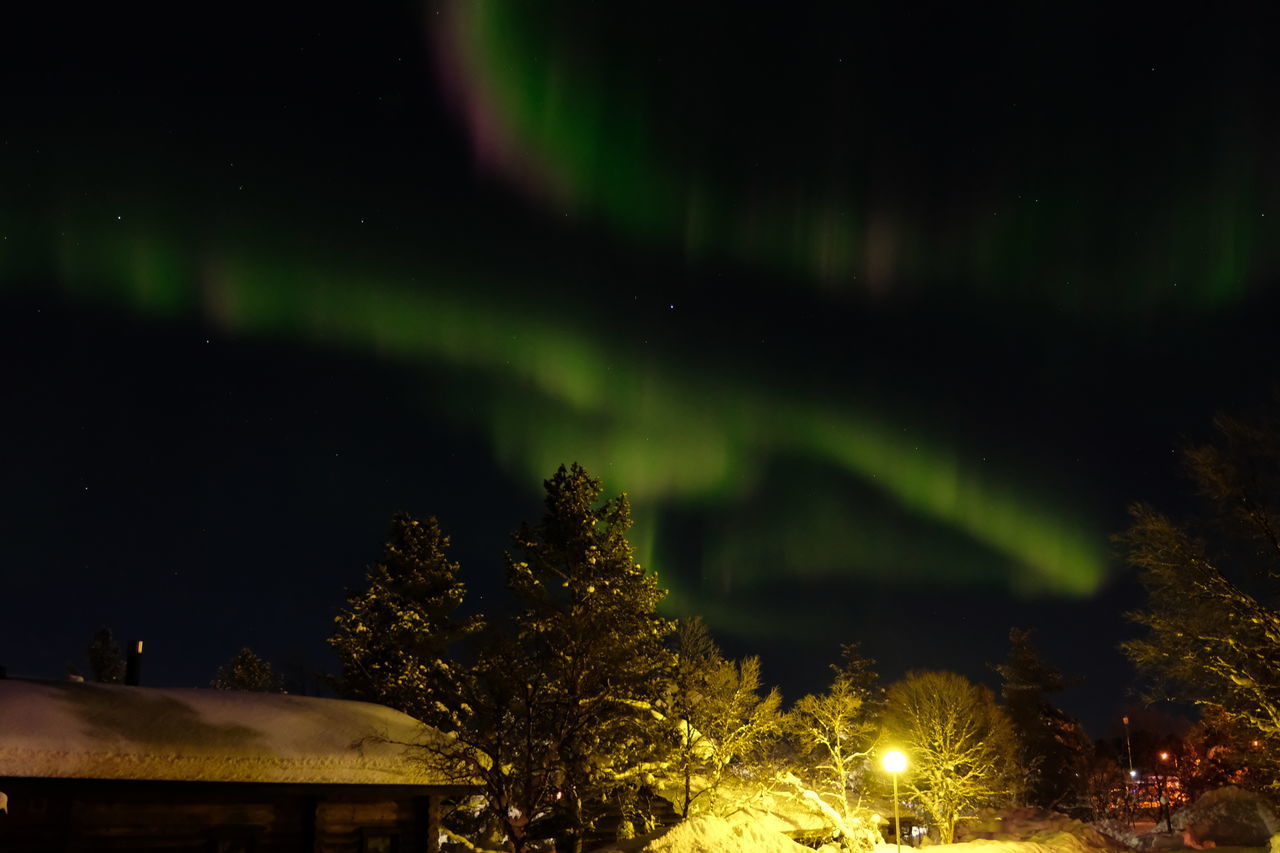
<point x="100" y="731"/>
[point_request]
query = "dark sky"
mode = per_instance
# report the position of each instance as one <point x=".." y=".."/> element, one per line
<point x="880" y="313"/>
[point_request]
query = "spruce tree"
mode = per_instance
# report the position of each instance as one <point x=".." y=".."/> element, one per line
<point x="391" y="637"/>
<point x="588" y="615"/>
<point x="559" y="705"/>
<point x="106" y="661"/>
<point x="247" y="671"/>
<point x="1053" y="750"/>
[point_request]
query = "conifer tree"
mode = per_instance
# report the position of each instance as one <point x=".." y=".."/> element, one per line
<point x="247" y="671"/>
<point x="106" y="661"/>
<point x="561" y="705"/>
<point x="1053" y="750"/>
<point x="392" y="637"/>
<point x="588" y="614"/>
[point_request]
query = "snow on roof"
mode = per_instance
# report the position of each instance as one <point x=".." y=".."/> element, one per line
<point x="101" y="731"/>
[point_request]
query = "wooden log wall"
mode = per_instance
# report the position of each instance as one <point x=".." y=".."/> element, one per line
<point x="84" y="815"/>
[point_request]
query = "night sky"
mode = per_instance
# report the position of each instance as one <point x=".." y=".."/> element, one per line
<point x="881" y="314"/>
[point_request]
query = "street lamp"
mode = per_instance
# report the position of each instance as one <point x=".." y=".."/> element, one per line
<point x="894" y="762"/>
<point x="1128" y="744"/>
<point x="1164" y="792"/>
<point x="1129" y="792"/>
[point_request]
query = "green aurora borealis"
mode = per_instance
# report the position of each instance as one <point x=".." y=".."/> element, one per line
<point x="556" y="111"/>
<point x="880" y="313"/>
<point x="671" y="435"/>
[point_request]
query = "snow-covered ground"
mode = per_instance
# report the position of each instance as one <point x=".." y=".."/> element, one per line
<point x="709" y="834"/>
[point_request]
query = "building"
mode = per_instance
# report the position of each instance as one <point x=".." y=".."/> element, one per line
<point x="109" y="767"/>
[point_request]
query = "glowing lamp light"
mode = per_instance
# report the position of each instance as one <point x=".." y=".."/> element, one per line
<point x="1164" y="756"/>
<point x="894" y="762"/>
<point x="1133" y="774"/>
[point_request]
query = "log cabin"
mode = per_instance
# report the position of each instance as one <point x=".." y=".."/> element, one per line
<point x="109" y="767"/>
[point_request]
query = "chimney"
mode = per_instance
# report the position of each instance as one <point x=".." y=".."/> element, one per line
<point x="133" y="666"/>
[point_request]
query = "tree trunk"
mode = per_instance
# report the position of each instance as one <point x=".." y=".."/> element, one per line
<point x="515" y="835"/>
<point x="687" y="799"/>
<point x="687" y="757"/>
<point x="575" y="814"/>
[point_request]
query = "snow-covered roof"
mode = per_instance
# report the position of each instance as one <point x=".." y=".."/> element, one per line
<point x="77" y="730"/>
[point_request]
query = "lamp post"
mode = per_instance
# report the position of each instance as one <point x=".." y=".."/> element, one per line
<point x="1164" y="791"/>
<point x="1128" y="744"/>
<point x="1129" y="790"/>
<point x="894" y="762"/>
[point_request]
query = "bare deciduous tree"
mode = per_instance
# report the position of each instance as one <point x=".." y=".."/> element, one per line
<point x="834" y="733"/>
<point x="719" y="714"/>
<point x="960" y="746"/>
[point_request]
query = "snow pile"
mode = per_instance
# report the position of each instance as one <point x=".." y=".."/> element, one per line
<point x="100" y="731"/>
<point x="1054" y="842"/>
<point x="780" y="818"/>
<point x="1120" y="831"/>
<point x="1228" y="816"/>
<point x="711" y="834"/>
<point x="1036" y="825"/>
